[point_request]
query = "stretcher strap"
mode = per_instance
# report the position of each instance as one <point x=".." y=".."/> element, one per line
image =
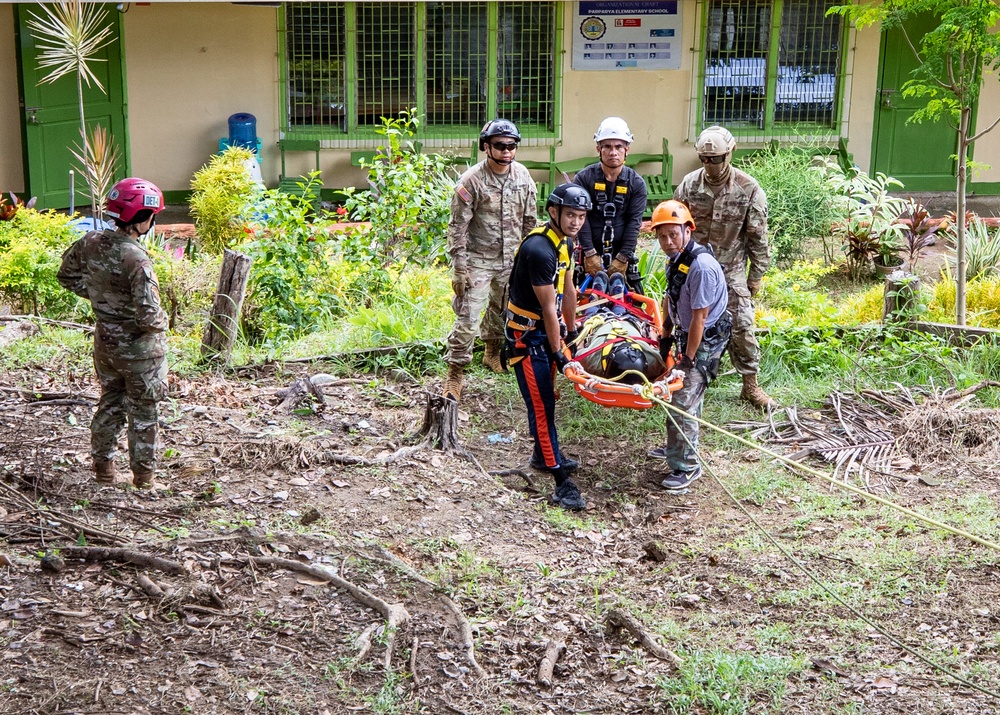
<point x="612" y="341"/>
<point x="637" y="312"/>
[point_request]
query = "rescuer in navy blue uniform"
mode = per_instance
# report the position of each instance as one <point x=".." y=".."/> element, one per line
<point x="618" y="194"/>
<point x="542" y="302"/>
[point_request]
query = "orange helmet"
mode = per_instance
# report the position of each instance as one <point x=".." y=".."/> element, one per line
<point x="671" y="211"/>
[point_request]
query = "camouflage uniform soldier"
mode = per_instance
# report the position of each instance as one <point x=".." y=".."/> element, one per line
<point x="730" y="210"/>
<point x="114" y="272"/>
<point x="493" y="207"/>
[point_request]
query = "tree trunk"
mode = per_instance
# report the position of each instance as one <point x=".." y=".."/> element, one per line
<point x="220" y="332"/>
<point x="901" y="291"/>
<point x="440" y="427"/>
<point x="963" y="155"/>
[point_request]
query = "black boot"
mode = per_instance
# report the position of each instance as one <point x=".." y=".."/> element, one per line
<point x="567" y="494"/>
<point x="568" y="464"/>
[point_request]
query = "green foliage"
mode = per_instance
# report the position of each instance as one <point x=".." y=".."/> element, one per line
<point x="418" y="309"/>
<point x="791" y="295"/>
<point x="408" y="204"/>
<point x="31" y="248"/>
<point x="187" y="285"/>
<point x="865" y="215"/>
<point x="724" y="683"/>
<point x="982" y="249"/>
<point x="290" y="261"/>
<point x="220" y="191"/>
<point x="652" y="268"/>
<point x="800" y="204"/>
<point x="983" y="300"/>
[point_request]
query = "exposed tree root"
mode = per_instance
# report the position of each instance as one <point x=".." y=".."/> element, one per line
<point x="553" y="650"/>
<point x="395" y="614"/>
<point x="618" y="619"/>
<point x="464" y="627"/>
<point x="137" y="558"/>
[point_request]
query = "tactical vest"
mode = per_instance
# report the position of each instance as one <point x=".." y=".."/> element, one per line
<point x="677" y="271"/>
<point x="522" y="319"/>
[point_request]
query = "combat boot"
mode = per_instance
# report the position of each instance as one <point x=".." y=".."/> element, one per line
<point x="104" y="472"/>
<point x="491" y="357"/>
<point x="453" y="383"/>
<point x="142" y="480"/>
<point x="753" y="394"/>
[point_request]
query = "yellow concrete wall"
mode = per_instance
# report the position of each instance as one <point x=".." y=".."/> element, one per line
<point x="190" y="66"/>
<point x="987" y="149"/>
<point x="860" y="95"/>
<point x="11" y="166"/>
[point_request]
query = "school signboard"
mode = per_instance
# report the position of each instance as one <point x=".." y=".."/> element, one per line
<point x="628" y="34"/>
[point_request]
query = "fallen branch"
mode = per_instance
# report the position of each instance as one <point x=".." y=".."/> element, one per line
<point x="618" y="619"/>
<point x="515" y="472"/>
<point x="464" y="627"/>
<point x="365" y="352"/>
<point x="395" y="614"/>
<point x="413" y="662"/>
<point x="364" y="644"/>
<point x="48" y="321"/>
<point x="149" y="587"/>
<point x="355" y="460"/>
<point x="137" y="558"/>
<point x="553" y="650"/>
<point x="970" y="390"/>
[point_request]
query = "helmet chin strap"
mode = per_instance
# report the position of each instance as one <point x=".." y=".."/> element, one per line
<point x="501" y="161"/>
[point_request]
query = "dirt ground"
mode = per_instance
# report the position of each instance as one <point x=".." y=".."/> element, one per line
<point x="213" y="631"/>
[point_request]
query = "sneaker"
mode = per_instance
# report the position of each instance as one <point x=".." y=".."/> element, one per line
<point x="658" y="453"/>
<point x="568" y="496"/>
<point x="616" y="289"/>
<point x="568" y="464"/>
<point x="600" y="283"/>
<point x="680" y="480"/>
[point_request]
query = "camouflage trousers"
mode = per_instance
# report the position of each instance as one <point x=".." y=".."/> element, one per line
<point x="130" y="389"/>
<point x="743" y="348"/>
<point x="485" y="292"/>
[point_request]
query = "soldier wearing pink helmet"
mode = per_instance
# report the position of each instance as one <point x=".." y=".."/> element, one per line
<point x="112" y="270"/>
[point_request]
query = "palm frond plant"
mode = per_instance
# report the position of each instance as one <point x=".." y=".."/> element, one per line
<point x="99" y="157"/>
<point x="69" y="34"/>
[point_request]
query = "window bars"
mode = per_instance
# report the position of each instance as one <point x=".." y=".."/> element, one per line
<point x="459" y="63"/>
<point x="759" y="73"/>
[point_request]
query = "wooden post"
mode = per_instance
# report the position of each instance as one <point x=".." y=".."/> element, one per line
<point x="901" y="292"/>
<point x="220" y="331"/>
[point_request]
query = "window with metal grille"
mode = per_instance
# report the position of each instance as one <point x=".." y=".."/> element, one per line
<point x="772" y="66"/>
<point x="347" y="64"/>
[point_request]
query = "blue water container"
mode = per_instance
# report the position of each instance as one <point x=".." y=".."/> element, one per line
<point x="243" y="130"/>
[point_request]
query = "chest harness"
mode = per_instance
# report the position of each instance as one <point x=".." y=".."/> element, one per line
<point x="609" y="210"/>
<point x="521" y="321"/>
<point x="677" y="275"/>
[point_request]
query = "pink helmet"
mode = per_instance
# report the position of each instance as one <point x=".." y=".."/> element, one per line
<point x="130" y="196"/>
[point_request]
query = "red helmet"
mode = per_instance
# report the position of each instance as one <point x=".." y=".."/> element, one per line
<point x="130" y="196"/>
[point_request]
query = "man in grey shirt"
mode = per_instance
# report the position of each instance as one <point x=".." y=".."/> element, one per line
<point x="696" y="319"/>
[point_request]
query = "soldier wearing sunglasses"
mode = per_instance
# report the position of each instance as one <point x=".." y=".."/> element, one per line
<point x="730" y="211"/>
<point x="492" y="208"/>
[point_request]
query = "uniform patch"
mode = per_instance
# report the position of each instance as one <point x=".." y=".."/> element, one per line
<point x="463" y="193"/>
<point x="599" y="186"/>
<point x="621" y="189"/>
<point x="683" y="268"/>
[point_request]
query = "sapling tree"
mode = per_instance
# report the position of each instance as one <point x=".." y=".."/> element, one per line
<point x="69" y="35"/>
<point x="953" y="60"/>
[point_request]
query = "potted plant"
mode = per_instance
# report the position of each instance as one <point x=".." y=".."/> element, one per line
<point x="869" y="228"/>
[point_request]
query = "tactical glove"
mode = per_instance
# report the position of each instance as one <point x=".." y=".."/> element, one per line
<point x="592" y="264"/>
<point x="685" y="363"/>
<point x="460" y="282"/>
<point x="665" y="344"/>
<point x="617" y="266"/>
<point x="571" y="338"/>
<point x="561" y="359"/>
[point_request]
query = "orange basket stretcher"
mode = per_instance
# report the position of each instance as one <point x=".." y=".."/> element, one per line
<point x="608" y="392"/>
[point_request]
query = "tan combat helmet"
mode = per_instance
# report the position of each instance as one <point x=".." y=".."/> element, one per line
<point x="715" y="141"/>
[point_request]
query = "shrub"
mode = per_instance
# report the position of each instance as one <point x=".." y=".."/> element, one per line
<point x="187" y="285"/>
<point x="31" y="248"/>
<point x="220" y="191"/>
<point x="409" y="201"/>
<point x="799" y="201"/>
<point x="982" y="248"/>
<point x="290" y="260"/>
<point x="982" y="300"/>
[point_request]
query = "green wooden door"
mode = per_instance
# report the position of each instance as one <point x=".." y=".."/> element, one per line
<point x="919" y="155"/>
<point x="51" y="117"/>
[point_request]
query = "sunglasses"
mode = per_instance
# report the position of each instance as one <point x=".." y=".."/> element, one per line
<point x="502" y="146"/>
<point x="712" y="159"/>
